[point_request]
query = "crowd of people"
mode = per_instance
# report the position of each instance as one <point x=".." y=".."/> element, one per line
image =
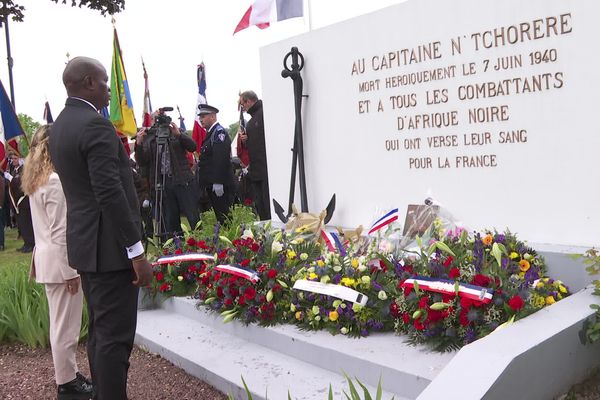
<point x="83" y="206"/>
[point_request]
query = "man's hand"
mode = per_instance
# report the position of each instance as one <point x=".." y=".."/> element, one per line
<point x="139" y="138"/>
<point x="174" y="129"/>
<point x="243" y="135"/>
<point x="218" y="189"/>
<point x="143" y="271"/>
<point x="72" y="285"/>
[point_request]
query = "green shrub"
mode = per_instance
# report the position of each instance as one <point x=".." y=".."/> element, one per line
<point x="24" y="308"/>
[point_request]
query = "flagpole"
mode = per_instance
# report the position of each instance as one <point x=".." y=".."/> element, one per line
<point x="309" y="15"/>
<point x="10" y="62"/>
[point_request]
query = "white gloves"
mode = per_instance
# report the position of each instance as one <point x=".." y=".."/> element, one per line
<point x="146" y="203"/>
<point x="218" y="189"/>
<point x="244" y="170"/>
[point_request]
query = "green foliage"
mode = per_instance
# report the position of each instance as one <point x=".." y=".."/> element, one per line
<point x="104" y="6"/>
<point x="354" y="394"/>
<point x="233" y="129"/>
<point x="29" y="126"/>
<point x="591" y="327"/>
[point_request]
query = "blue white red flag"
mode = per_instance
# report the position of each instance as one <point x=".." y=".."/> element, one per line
<point x="384" y="221"/>
<point x="333" y="242"/>
<point x="445" y="286"/>
<point x="10" y="127"/>
<point x="183" y="258"/>
<point x="48" y="114"/>
<point x="262" y="12"/>
<point x="198" y="132"/>
<point x="240" y="271"/>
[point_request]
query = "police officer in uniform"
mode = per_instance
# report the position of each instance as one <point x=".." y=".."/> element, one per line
<point x="215" y="175"/>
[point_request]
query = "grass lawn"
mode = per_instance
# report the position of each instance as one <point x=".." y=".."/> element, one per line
<point x="10" y="256"/>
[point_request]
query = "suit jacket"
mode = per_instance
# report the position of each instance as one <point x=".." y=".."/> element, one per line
<point x="49" y="262"/>
<point x="102" y="207"/>
<point x="256" y="143"/>
<point x="214" y="165"/>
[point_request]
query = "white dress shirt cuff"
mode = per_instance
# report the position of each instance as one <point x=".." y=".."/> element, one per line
<point x="135" y="250"/>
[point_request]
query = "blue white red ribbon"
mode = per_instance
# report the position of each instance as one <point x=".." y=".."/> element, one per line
<point x="183" y="258"/>
<point x="240" y="271"/>
<point x="384" y="221"/>
<point x="332" y="240"/>
<point x="473" y="292"/>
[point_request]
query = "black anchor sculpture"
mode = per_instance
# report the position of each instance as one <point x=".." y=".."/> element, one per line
<point x="293" y="71"/>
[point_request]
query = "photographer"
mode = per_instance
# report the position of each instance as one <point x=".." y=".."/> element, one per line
<point x="168" y="171"/>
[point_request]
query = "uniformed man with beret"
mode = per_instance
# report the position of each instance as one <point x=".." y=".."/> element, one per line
<point x="215" y="174"/>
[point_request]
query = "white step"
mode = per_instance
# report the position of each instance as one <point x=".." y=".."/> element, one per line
<point x="221" y="359"/>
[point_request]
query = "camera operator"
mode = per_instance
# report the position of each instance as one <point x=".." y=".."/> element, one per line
<point x="215" y="174"/>
<point x="168" y="172"/>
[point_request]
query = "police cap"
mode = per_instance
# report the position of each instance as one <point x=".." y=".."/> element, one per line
<point x="204" y="109"/>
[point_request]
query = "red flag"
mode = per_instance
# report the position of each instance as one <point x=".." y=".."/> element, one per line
<point x="147" y="119"/>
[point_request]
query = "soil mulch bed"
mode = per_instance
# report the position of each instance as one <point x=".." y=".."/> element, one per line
<point x="29" y="374"/>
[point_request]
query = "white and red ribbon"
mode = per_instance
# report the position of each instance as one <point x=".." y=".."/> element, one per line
<point x="384" y="221"/>
<point x="473" y="292"/>
<point x="333" y="242"/>
<point x="239" y="271"/>
<point x="183" y="258"/>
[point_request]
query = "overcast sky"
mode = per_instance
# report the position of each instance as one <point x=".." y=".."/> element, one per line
<point x="173" y="37"/>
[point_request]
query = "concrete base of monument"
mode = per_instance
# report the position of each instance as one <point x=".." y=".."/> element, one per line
<point x="539" y="357"/>
<point x="279" y="359"/>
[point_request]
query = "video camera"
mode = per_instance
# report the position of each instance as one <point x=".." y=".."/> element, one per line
<point x="162" y="124"/>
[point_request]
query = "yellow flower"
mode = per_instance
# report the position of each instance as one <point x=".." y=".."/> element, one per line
<point x="539" y="301"/>
<point x="320" y="263"/>
<point x="540" y="285"/>
<point x="354" y="263"/>
<point x="291" y="254"/>
<point x="550" y="300"/>
<point x="298" y="315"/>
<point x="333" y="315"/>
<point x="514" y="255"/>
<point x="562" y="289"/>
<point x="524" y="265"/>
<point x="312" y="275"/>
<point x="347" y="281"/>
<point x="487" y="240"/>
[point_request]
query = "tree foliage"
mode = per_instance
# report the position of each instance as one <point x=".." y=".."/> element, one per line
<point x="29" y="126"/>
<point x="10" y="8"/>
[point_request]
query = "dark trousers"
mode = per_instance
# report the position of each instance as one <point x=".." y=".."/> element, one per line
<point x="25" y="225"/>
<point x="112" y="308"/>
<point x="260" y="195"/>
<point x="179" y="199"/>
<point x="220" y="204"/>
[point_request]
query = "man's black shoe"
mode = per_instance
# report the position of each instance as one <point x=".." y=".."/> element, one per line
<point x="25" y="249"/>
<point x="75" y="390"/>
<point x="82" y="378"/>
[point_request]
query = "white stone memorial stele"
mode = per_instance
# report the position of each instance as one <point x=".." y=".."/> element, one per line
<point x="487" y="105"/>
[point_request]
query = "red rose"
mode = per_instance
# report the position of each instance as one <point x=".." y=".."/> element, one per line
<point x="165" y="287"/>
<point x="160" y="276"/>
<point x="202" y="244"/>
<point x="192" y="269"/>
<point x="423" y="302"/>
<point x="249" y="293"/>
<point x="394" y="312"/>
<point x="228" y="302"/>
<point x="222" y="254"/>
<point x="418" y="324"/>
<point x="516" y="302"/>
<point x="464" y="321"/>
<point x="406" y="318"/>
<point x="233" y="291"/>
<point x="448" y="261"/>
<point x="434" y="315"/>
<point x="247" y="201"/>
<point x="276" y="288"/>
<point x="481" y="280"/>
<point x="407" y="290"/>
<point x="262" y="268"/>
<point x="408" y="268"/>
<point x="178" y="251"/>
<point x="245" y="262"/>
<point x="272" y="274"/>
<point x="465" y="303"/>
<point x="454" y="273"/>
<point x="165" y="251"/>
<point x="219" y="292"/>
<point x="447" y="298"/>
<point x="241" y="301"/>
<point x="191" y="241"/>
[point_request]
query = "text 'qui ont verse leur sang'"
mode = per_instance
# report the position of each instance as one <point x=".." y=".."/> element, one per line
<point x="407" y="96"/>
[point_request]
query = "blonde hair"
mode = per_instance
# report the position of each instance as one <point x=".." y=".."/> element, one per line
<point x="38" y="165"/>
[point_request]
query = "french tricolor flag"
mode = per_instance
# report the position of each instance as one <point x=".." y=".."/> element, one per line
<point x="262" y="12"/>
<point x="10" y="127"/>
<point x="240" y="271"/>
<point x="183" y="258"/>
<point x="384" y="221"/>
<point x="332" y="240"/>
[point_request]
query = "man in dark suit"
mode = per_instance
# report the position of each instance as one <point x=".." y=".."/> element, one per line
<point x="103" y="223"/>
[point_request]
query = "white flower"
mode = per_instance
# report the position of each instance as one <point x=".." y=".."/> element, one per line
<point x="180" y="278"/>
<point x="365" y="279"/>
<point x="344" y="330"/>
<point x="276" y="247"/>
<point x="337" y="268"/>
<point x="362" y="268"/>
<point x="247" y="234"/>
<point x="382" y="295"/>
<point x="385" y="246"/>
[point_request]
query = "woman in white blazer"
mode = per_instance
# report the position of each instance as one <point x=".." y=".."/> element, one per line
<point x="49" y="265"/>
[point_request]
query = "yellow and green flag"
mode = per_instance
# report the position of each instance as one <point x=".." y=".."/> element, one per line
<point x="121" y="107"/>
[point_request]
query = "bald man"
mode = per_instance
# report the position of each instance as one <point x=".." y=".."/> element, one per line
<point x="103" y="223"/>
